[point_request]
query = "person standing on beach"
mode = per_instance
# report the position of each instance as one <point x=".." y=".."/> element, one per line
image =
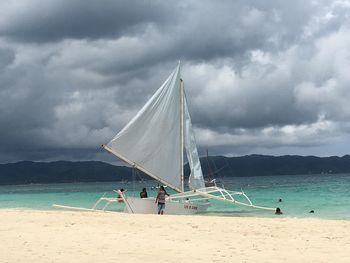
<point x="161" y="200"/>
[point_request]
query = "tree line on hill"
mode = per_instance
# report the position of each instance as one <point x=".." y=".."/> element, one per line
<point x="27" y="172"/>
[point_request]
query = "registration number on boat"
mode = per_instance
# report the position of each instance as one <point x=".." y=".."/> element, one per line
<point x="187" y="206"/>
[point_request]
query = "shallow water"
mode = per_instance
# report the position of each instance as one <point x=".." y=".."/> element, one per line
<point x="327" y="195"/>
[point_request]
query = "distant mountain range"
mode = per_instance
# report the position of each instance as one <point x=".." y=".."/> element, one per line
<point x="61" y="172"/>
<point x="214" y="167"/>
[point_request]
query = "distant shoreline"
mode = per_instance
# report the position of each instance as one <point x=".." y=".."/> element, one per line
<point x="27" y="172"/>
<point x="151" y="179"/>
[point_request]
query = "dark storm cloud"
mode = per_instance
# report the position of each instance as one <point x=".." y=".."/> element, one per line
<point x="7" y="56"/>
<point x="212" y="31"/>
<point x="41" y="21"/>
<point x="258" y="75"/>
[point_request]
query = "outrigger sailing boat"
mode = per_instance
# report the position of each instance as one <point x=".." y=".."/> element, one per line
<point x="154" y="142"/>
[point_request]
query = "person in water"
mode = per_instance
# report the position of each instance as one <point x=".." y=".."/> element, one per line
<point x="119" y="197"/>
<point x="278" y="211"/>
<point x="161" y="200"/>
<point x="143" y="194"/>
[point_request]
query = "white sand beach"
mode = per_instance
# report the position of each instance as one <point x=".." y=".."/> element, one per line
<point x="61" y="236"/>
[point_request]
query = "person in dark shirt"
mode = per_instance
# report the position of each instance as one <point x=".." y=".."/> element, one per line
<point x="143" y="194"/>
<point x="160" y="200"/>
<point x="278" y="211"/>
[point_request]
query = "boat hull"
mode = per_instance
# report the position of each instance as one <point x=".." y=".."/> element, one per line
<point x="148" y="206"/>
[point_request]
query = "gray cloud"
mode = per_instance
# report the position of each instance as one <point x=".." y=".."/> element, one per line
<point x="260" y="77"/>
<point x="38" y="21"/>
<point x="7" y="56"/>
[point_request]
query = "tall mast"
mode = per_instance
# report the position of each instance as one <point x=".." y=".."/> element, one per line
<point x="210" y="172"/>
<point x="182" y="133"/>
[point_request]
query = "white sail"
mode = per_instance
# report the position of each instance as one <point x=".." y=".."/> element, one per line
<point x="196" y="180"/>
<point x="151" y="141"/>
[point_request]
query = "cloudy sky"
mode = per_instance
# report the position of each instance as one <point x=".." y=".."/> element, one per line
<point x="266" y="77"/>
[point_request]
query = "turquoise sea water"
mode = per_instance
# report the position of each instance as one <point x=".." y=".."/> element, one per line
<point x="327" y="195"/>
